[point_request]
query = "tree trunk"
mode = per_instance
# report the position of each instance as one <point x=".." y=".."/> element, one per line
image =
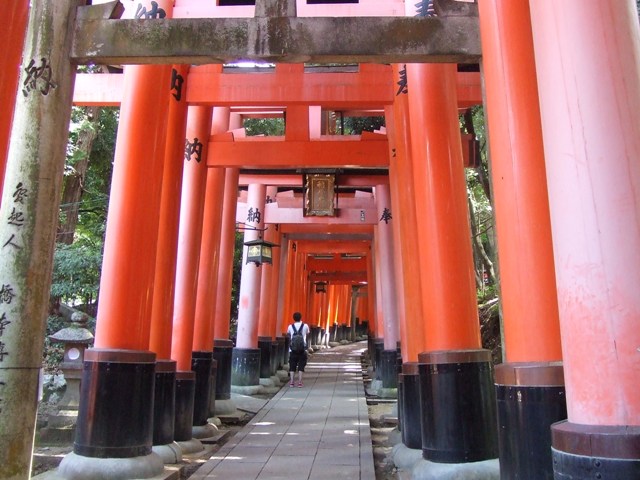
<point x="478" y="247"/>
<point x="74" y="183"/>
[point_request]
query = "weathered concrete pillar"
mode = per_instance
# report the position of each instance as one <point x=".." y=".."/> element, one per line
<point x="592" y="145"/>
<point x="29" y="211"/>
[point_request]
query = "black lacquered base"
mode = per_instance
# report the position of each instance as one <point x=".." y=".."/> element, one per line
<point x="411" y="421"/>
<point x="389" y="368"/>
<point x="222" y="353"/>
<point x="245" y="367"/>
<point x="185" y="393"/>
<point x="595" y="451"/>
<point x="458" y="407"/>
<point x="264" y="345"/>
<point x="164" y="402"/>
<point x="113" y="423"/>
<point x="212" y="388"/>
<point x="530" y="397"/>
<point x="201" y="363"/>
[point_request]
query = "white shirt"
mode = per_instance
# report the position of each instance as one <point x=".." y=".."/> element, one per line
<point x="305" y="331"/>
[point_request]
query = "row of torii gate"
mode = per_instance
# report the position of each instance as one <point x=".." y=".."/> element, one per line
<point x="562" y="100"/>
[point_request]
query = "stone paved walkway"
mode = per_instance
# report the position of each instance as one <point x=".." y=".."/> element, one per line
<point x="317" y="432"/>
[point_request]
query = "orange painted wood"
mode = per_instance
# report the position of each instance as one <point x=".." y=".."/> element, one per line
<point x="165" y="270"/>
<point x="448" y="286"/>
<point x="126" y="284"/>
<point x="189" y="240"/>
<point x="527" y="273"/>
<point x="225" y="267"/>
<point x="299" y="154"/>
<point x="592" y="145"/>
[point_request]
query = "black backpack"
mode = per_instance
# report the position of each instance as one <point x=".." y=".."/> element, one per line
<point x="297" y="340"/>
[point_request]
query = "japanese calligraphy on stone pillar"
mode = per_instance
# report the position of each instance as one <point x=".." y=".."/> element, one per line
<point x="38" y="77"/>
<point x="425" y="9"/>
<point x="193" y="148"/>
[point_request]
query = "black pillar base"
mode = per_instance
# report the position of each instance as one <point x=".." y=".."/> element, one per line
<point x="164" y="402"/>
<point x="458" y="408"/>
<point x="112" y="422"/>
<point x="376" y="359"/>
<point x="201" y="366"/>
<point x="595" y="451"/>
<point x="264" y="345"/>
<point x="245" y="367"/>
<point x="185" y="393"/>
<point x="274" y="358"/>
<point x="222" y="353"/>
<point x="530" y="397"/>
<point x="410" y="406"/>
<point x="287" y="341"/>
<point x="389" y="368"/>
<point x="212" y="388"/>
<point x="282" y="343"/>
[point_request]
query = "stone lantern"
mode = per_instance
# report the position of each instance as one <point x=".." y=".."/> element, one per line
<point x="75" y="338"/>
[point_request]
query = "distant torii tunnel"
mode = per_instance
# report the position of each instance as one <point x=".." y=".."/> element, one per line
<point x="368" y="235"/>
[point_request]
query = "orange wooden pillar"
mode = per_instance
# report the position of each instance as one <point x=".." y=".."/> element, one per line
<point x="454" y="430"/>
<point x="15" y="16"/>
<point x="529" y="385"/>
<point x="245" y="367"/>
<point x="116" y="423"/>
<point x="266" y="340"/>
<point x="222" y="345"/>
<point x="191" y="407"/>
<point x="386" y="280"/>
<point x="588" y="64"/>
<point x="165" y="270"/>
<point x="203" y="362"/>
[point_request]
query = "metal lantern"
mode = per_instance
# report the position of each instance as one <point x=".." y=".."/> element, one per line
<point x="321" y="287"/>
<point x="259" y="251"/>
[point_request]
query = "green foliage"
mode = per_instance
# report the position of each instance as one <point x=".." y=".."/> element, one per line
<point x="269" y="127"/>
<point x="357" y="125"/>
<point x="76" y="272"/>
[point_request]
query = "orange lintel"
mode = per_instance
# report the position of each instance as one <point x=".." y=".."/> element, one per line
<point x="360" y="247"/>
<point x="330" y="90"/>
<point x="279" y="154"/>
<point x="339" y="277"/>
<point x="327" y="228"/>
<point x="338" y="264"/>
<point x="296" y="180"/>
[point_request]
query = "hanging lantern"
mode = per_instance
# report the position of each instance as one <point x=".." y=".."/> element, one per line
<point x="259" y="251"/>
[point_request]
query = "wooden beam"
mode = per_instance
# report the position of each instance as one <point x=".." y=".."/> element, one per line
<point x="313" y="154"/>
<point x="453" y="39"/>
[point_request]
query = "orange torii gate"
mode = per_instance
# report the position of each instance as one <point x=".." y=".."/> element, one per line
<point x="595" y="235"/>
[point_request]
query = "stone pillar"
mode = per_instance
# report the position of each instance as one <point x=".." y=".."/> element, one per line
<point x="529" y="387"/>
<point x="246" y="355"/>
<point x="592" y="145"/>
<point x="30" y="204"/>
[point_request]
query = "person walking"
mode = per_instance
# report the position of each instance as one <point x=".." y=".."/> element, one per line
<point x="297" y="333"/>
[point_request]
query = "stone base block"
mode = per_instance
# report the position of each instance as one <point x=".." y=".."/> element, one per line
<point x="484" y="470"/>
<point x="246" y="390"/>
<point x="78" y="467"/>
<point x="170" y="453"/>
<point x="225" y="407"/>
<point x="204" y="431"/>
<point x="191" y="446"/>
